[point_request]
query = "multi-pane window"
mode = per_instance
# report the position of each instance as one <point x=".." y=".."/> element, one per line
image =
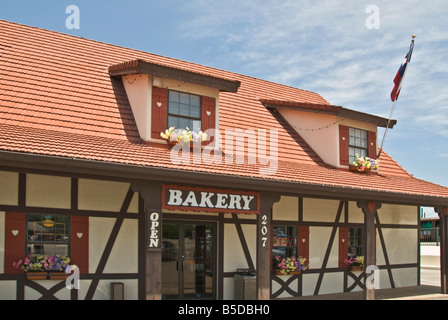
<point x="49" y="235"/>
<point x="355" y="242"/>
<point x="184" y="110"/>
<point x="284" y="241"/>
<point x="357" y="143"/>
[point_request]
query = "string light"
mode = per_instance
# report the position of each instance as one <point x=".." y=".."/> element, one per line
<point x="316" y="129"/>
<point x="132" y="81"/>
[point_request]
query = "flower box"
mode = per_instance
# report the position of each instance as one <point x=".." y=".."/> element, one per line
<point x="355" y="263"/>
<point x="278" y="272"/>
<point x="289" y="265"/>
<point x="42" y="267"/>
<point x="364" y="165"/>
<point x="36" y="275"/>
<point x="356" y="268"/>
<point x="358" y="169"/>
<point x="58" y="275"/>
<point x="174" y="136"/>
<point x="191" y="143"/>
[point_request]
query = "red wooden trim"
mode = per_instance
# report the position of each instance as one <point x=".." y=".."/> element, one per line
<point x="304" y="242"/>
<point x="159" y="112"/>
<point x="272" y="244"/>
<point x="371" y="137"/>
<point x="208" y="113"/>
<point x="208" y="116"/>
<point x="79" y="243"/>
<point x="214" y="210"/>
<point x="343" y="246"/>
<point x="15" y="239"/>
<point x="343" y="145"/>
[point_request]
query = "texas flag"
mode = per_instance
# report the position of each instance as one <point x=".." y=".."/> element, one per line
<point x="401" y="73"/>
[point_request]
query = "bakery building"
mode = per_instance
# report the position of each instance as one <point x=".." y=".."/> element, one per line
<point x="86" y="174"/>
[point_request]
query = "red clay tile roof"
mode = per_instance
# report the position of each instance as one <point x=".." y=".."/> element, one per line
<point x="58" y="99"/>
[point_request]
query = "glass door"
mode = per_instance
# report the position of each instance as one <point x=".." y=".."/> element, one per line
<point x="188" y="264"/>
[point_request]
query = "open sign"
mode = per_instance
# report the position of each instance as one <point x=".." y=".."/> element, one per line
<point x="282" y="241"/>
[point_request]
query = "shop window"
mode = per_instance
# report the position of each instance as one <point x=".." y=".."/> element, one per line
<point x="355" y="242"/>
<point x="284" y="241"/>
<point x="351" y="245"/>
<point x="46" y="234"/>
<point x="49" y="235"/>
<point x="184" y="110"/>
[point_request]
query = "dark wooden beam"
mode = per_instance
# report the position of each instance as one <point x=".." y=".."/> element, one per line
<point x="443" y="214"/>
<point x="264" y="245"/>
<point x="151" y="253"/>
<point x="369" y="208"/>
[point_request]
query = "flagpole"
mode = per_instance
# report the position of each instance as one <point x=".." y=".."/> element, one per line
<point x="396" y="97"/>
<point x="387" y="128"/>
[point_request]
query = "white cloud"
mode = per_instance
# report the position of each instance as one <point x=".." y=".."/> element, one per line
<point x="324" y="46"/>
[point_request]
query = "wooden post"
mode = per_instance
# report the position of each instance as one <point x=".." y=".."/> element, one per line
<point x="151" y="193"/>
<point x="264" y="245"/>
<point x="369" y="209"/>
<point x="443" y="214"/>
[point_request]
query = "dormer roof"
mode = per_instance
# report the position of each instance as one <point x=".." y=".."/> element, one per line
<point x="138" y="66"/>
<point x="330" y="109"/>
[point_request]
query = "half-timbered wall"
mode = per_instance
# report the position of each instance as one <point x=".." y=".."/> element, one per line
<point x="104" y="213"/>
<point x="115" y="238"/>
<point x="396" y="246"/>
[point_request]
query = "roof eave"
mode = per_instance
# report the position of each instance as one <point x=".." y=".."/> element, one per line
<point x="96" y="169"/>
<point x="330" y="109"/>
<point x="144" y="67"/>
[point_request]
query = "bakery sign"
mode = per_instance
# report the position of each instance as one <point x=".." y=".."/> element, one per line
<point x="209" y="200"/>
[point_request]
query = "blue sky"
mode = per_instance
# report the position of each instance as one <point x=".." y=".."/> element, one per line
<point x="321" y="46"/>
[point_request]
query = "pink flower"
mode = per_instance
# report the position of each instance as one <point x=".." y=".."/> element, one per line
<point x="17" y="264"/>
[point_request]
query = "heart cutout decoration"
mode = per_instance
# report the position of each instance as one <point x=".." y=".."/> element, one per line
<point x="15" y="232"/>
<point x="79" y="234"/>
<point x="159" y="104"/>
<point x="208" y="113"/>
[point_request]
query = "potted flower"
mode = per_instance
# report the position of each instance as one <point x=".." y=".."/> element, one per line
<point x="174" y="136"/>
<point x="56" y="266"/>
<point x="364" y="164"/>
<point x="355" y="263"/>
<point x="40" y="266"/>
<point x="290" y="265"/>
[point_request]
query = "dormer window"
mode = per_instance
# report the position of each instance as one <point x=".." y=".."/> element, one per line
<point x="184" y="110"/>
<point x="354" y="141"/>
<point x="161" y="97"/>
<point x="357" y="144"/>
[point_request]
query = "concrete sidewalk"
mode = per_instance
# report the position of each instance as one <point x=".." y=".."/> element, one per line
<point x="423" y="292"/>
<point x="428" y="290"/>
